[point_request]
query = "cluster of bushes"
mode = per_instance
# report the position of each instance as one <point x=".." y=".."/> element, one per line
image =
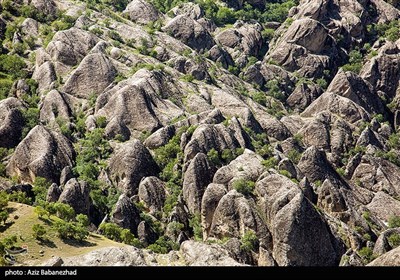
<point x="224" y="157"/>
<point x="221" y="15"/>
<point x="114" y="232"/>
<point x="68" y="225"/>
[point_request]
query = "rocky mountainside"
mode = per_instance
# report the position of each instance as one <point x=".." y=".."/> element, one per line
<point x="224" y="132"/>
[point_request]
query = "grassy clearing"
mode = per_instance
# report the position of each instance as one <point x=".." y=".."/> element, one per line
<point x="20" y="222"/>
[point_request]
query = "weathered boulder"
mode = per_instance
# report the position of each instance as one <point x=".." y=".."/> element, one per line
<point x="92" y="76"/>
<point x="42" y="153"/>
<point x="391" y="258"/>
<point x="143" y="96"/>
<point x="190" y="32"/>
<point x="235" y="215"/>
<point x="246" y="166"/>
<point x="46" y="76"/>
<point x="384" y="206"/>
<point x="384" y="242"/>
<point x="300" y="234"/>
<point x="69" y="47"/>
<point x="141" y="11"/>
<point x="152" y="193"/>
<point x="200" y="254"/>
<point x="76" y="194"/>
<point x="53" y="193"/>
<point x="196" y="178"/>
<point x="126" y="214"/>
<point x="55" y="104"/>
<point x="209" y="203"/>
<point x="218" y="137"/>
<point x="11" y="122"/>
<point x="130" y="164"/>
<point x="109" y="256"/>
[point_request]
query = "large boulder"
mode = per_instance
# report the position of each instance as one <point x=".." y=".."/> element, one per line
<point x="42" y="153"/>
<point x="200" y="254"/>
<point x="209" y="202"/>
<point x="235" y="215"/>
<point x="246" y="166"/>
<point x="76" y="194"/>
<point x="300" y="234"/>
<point x="130" y="164"/>
<point x="11" y="122"/>
<point x="93" y="75"/>
<point x="190" y="32"/>
<point x="141" y="11"/>
<point x="197" y="177"/>
<point x="152" y="193"/>
<point x="143" y="96"/>
<point x="391" y="258"/>
<point x="126" y="214"/>
<point x="69" y="47"/>
<point x="109" y="256"/>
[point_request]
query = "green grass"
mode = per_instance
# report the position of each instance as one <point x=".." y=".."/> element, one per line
<point x="53" y="246"/>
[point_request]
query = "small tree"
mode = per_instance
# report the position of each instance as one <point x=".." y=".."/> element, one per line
<point x="83" y="220"/>
<point x="38" y="231"/>
<point x="64" y="211"/>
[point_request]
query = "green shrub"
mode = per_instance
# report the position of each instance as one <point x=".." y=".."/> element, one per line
<point x="111" y="231"/>
<point x="294" y="156"/>
<point x="243" y="186"/>
<point x="38" y="231"/>
<point x="355" y="62"/>
<point x="20" y="197"/>
<point x="5" y="87"/>
<point x="260" y="98"/>
<point x="195" y="224"/>
<point x="249" y="241"/>
<point x="64" y="211"/>
<point x="41" y="212"/>
<point x="163" y="245"/>
<point x="366" y="254"/>
<point x="13" y="65"/>
<point x="394" y="240"/>
<point x="213" y="157"/>
<point x="394" y="222"/>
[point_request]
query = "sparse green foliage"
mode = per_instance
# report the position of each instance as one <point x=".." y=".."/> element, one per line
<point x="195" y="224"/>
<point x="243" y="186"/>
<point x="366" y="254"/>
<point x="394" y="240"/>
<point x="394" y="222"/>
<point x="249" y="241"/>
<point x="355" y="62"/>
<point x="38" y="231"/>
<point x="40" y="186"/>
<point x="163" y="245"/>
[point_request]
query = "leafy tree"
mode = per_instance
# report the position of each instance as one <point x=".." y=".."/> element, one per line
<point x="83" y="220"/>
<point x="13" y="65"/>
<point x="64" y="211"/>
